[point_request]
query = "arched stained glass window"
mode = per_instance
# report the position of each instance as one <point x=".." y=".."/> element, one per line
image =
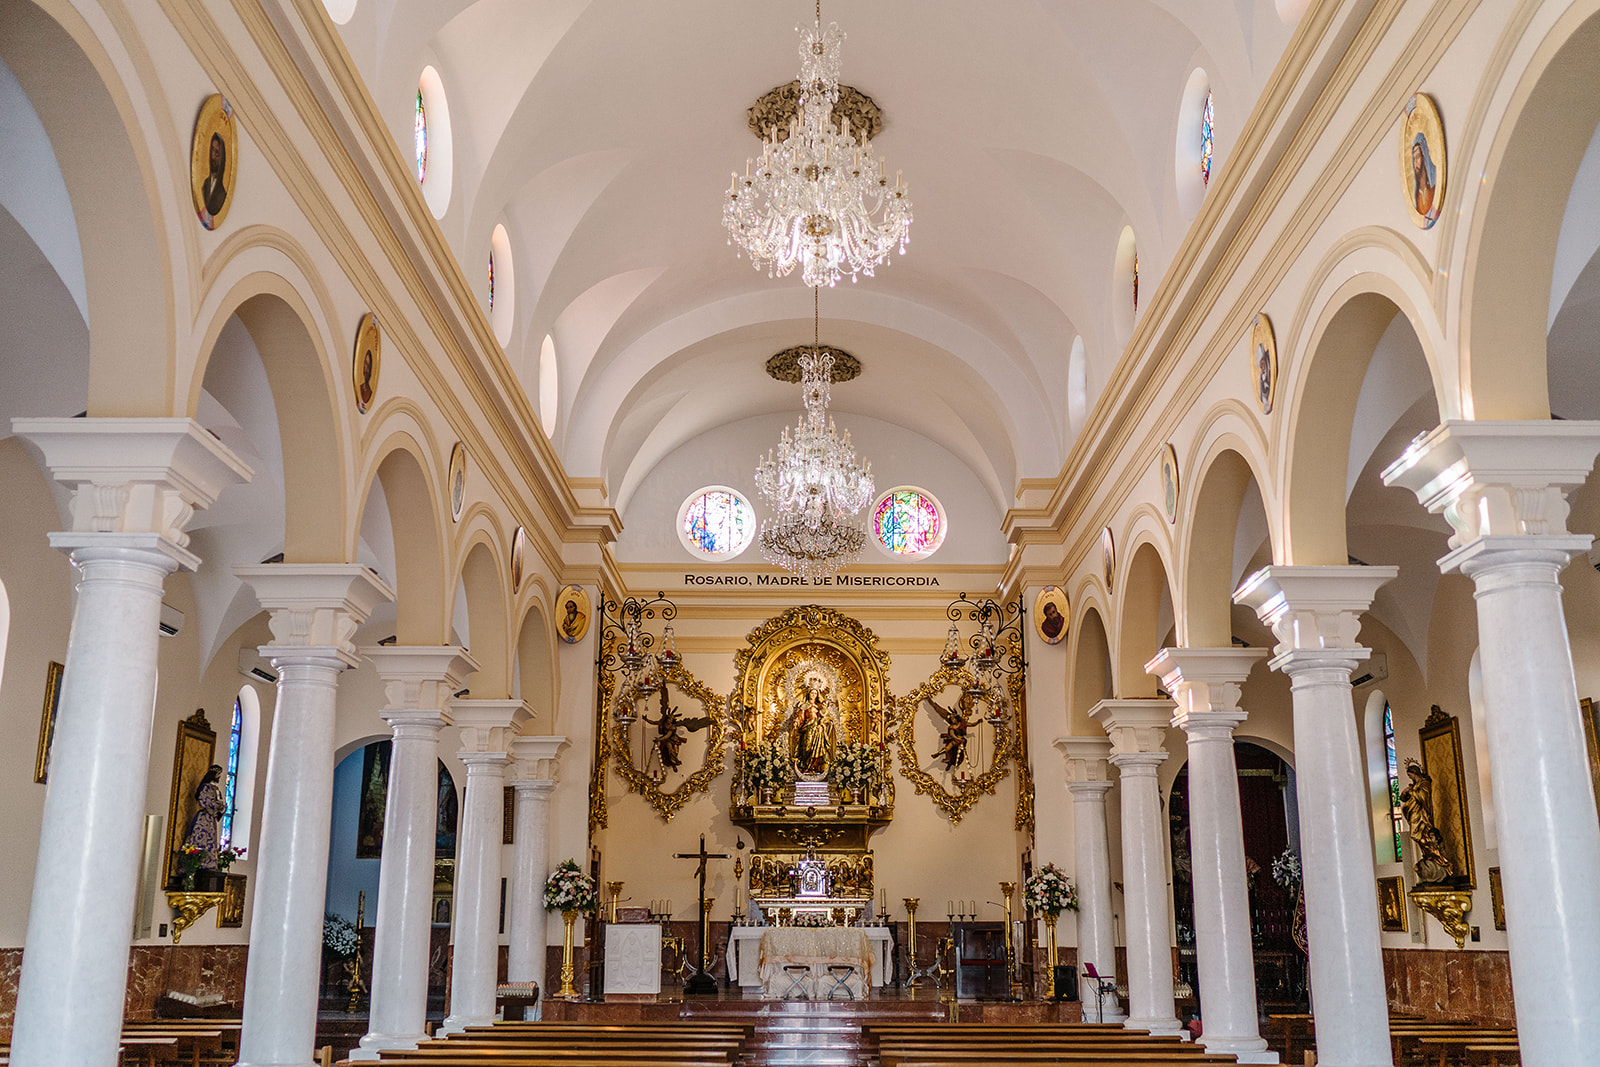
<point x="1395" y="812"/>
<point x="420" y="135"/>
<point x="230" y="792"/>
<point x="716" y="523"/>
<point x="908" y="522"/>
<point x="1206" y="140"/>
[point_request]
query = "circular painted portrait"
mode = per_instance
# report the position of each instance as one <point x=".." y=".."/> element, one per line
<point x="572" y="613"/>
<point x="1264" y="362"/>
<point x="1422" y="160"/>
<point x="214" y="161"/>
<point x="1050" y="609"/>
<point x="1108" y="556"/>
<point x="519" y="553"/>
<point x="458" y="480"/>
<point x="1169" y="482"/>
<point x="366" y="362"/>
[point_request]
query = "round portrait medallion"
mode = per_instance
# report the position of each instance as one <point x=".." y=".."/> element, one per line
<point x="458" y="480"/>
<point x="1108" y="556"/>
<point x="1422" y="160"/>
<point x="572" y="613"/>
<point x="1050" y="614"/>
<point x="519" y="552"/>
<point x="1169" y="482"/>
<point x="366" y="362"/>
<point x="214" y="161"/>
<point x="1263" y="363"/>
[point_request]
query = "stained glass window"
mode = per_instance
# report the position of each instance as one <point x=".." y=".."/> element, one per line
<point x="420" y="134"/>
<point x="230" y="790"/>
<point x="491" y="281"/>
<point x="907" y="522"/>
<point x="718" y="523"/>
<point x="1395" y="812"/>
<point x="1206" y="140"/>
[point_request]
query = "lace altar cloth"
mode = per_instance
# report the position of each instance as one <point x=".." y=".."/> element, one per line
<point x="816" y="948"/>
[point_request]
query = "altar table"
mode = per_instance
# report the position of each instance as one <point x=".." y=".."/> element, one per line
<point x="744" y="954"/>
<point x="817" y="948"/>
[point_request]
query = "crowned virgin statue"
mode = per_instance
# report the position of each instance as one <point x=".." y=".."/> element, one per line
<point x="811" y="731"/>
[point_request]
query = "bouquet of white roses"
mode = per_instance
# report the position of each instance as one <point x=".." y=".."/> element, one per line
<point x="1049" y="891"/>
<point x="569" y="889"/>
<point x="767" y="767"/>
<point x="856" y="766"/>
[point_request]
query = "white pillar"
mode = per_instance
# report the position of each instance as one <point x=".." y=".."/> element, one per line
<point x="486" y="732"/>
<point x="1503" y="488"/>
<point x="534" y="775"/>
<point x="315" y="609"/>
<point x="418" y="683"/>
<point x="1205" y="683"/>
<point x="1315" y="612"/>
<point x="1136" y="729"/>
<point x="136" y="483"/>
<point x="1089" y="780"/>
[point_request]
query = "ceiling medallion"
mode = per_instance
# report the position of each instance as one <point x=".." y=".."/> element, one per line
<point x="817" y="198"/>
<point x="777" y="108"/>
<point x="785" y="366"/>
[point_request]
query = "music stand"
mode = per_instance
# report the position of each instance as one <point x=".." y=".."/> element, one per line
<point x="1102" y="986"/>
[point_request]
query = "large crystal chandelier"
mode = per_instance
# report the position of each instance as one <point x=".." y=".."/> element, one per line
<point x="817" y="197"/>
<point x="813" y="482"/>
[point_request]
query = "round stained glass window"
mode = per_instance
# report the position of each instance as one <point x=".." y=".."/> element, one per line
<point x="908" y="523"/>
<point x="716" y="523"/>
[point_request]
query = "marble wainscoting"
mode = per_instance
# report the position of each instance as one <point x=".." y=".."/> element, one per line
<point x="1451" y="983"/>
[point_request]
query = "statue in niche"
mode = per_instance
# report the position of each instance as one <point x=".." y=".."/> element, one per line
<point x="811" y="729"/>
<point x="1416" y="801"/>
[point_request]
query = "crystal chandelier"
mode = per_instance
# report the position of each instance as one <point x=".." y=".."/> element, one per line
<point x="814" y="482"/>
<point x="817" y="197"/>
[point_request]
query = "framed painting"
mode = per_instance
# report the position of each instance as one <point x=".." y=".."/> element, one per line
<point x="1392" y="904"/>
<point x="1441" y="758"/>
<point x="197" y="745"/>
<point x="47" y="720"/>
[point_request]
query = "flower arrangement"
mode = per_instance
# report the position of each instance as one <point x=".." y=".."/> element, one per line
<point x="569" y="889"/>
<point x="1049" y="891"/>
<point x="339" y="936"/>
<point x="227" y="856"/>
<point x="856" y="766"/>
<point x="1286" y="869"/>
<point x="767" y="767"/>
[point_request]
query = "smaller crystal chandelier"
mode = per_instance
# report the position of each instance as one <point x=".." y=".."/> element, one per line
<point x="814" y="482"/>
<point x="817" y="198"/>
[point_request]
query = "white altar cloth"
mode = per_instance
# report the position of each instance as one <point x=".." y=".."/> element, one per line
<point x="817" y="948"/>
<point x="744" y="954"/>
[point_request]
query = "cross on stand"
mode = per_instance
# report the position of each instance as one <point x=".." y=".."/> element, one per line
<point x="701" y="981"/>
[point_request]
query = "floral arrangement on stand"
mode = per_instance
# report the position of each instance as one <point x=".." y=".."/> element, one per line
<point x="856" y="766"/>
<point x="569" y="889"/>
<point x="767" y="767"/>
<point x="1049" y="891"/>
<point x="339" y="936"/>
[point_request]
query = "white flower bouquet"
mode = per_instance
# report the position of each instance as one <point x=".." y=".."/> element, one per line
<point x="1050" y="891"/>
<point x="569" y="889"/>
<point x="856" y="766"/>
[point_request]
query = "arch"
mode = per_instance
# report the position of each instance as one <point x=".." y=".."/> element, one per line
<point x="1325" y="385"/>
<point x="483" y="579"/>
<point x="1091" y="680"/>
<point x="110" y="177"/>
<point x="416" y="512"/>
<point x="1145" y="602"/>
<point x="1515" y="222"/>
<point x="1210" y="537"/>
<point x="304" y="397"/>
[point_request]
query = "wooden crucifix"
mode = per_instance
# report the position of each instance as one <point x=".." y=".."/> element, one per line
<point x="701" y="981"/>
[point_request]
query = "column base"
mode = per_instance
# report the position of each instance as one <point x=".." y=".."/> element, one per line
<point x="1157" y="1027"/>
<point x="372" y="1044"/>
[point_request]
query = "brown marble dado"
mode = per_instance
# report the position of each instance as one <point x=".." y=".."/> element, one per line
<point x="152" y="970"/>
<point x="1453" y="984"/>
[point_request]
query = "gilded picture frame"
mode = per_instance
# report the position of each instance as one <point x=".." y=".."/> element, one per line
<point x="1392" y="904"/>
<point x="1441" y="758"/>
<point x="53" y="673"/>
<point x="1423" y="160"/>
<point x="366" y="362"/>
<point x="230" y="910"/>
<point x="214" y="161"/>
<point x="192" y="757"/>
<point x="1264" y="362"/>
<point x="647" y="778"/>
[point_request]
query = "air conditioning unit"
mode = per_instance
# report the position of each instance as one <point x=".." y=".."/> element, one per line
<point x="1376" y="669"/>
<point x="253" y="667"/>
<point x="171" y="620"/>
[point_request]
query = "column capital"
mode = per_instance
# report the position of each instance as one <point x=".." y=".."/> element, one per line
<point x="1134" y="726"/>
<point x="314" y="605"/>
<point x="536" y="757"/>
<point x="421" y="677"/>
<point x="136" y="483"/>
<point x="1206" y="684"/>
<point x="1500" y="478"/>
<point x="1086" y="759"/>
<point x="490" y="725"/>
<point x="1313" y="608"/>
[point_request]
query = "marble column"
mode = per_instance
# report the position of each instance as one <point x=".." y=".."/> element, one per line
<point x="487" y="729"/>
<point x="1137" y="729"/>
<point x="534" y="779"/>
<point x="418" y="683"/>
<point x="1315" y="612"/>
<point x="135" y="485"/>
<point x="1205" y="683"/>
<point x="314" y="611"/>
<point x="1089" y="780"/>
<point x="1503" y="488"/>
